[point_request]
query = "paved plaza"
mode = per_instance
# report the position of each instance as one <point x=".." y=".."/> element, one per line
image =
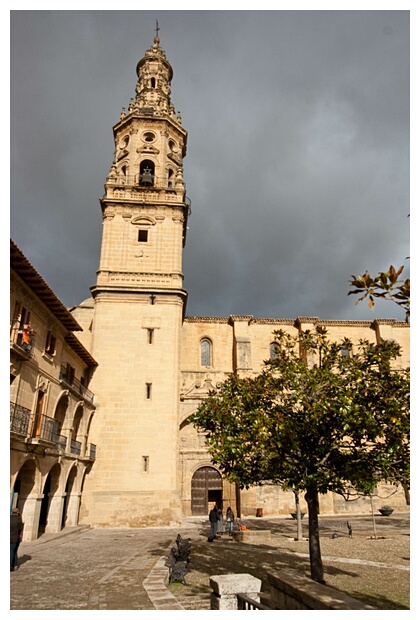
<point x="123" y="569"/>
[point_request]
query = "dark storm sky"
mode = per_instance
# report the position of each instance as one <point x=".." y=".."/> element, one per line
<point x="298" y="149"/>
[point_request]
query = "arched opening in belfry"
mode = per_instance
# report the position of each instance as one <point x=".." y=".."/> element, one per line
<point x="206" y="490"/>
<point x="170" y="178"/>
<point x="153" y="82"/>
<point x="147" y="173"/>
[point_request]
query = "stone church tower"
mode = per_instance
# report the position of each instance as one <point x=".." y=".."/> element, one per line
<point x="138" y="311"/>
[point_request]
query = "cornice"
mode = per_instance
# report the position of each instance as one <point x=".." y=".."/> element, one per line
<point x="206" y="319"/>
<point x="298" y="321"/>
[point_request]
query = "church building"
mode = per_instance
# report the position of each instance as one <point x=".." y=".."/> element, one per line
<point x="152" y="364"/>
<point x="155" y="364"/>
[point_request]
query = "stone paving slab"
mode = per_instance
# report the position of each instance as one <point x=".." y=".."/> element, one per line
<point x="123" y="569"/>
<point x="95" y="569"/>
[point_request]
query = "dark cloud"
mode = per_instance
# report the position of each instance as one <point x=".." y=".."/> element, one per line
<point x="298" y="149"/>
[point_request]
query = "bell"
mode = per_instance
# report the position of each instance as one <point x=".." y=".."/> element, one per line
<point x="147" y="177"/>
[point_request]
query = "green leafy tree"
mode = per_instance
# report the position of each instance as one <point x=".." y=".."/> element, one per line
<point x="386" y="285"/>
<point x="321" y="417"/>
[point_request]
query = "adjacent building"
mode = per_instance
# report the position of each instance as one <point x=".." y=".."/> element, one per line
<point x="51" y="405"/>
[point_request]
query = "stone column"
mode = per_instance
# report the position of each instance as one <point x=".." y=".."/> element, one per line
<point x="73" y="509"/>
<point x="30" y="515"/>
<point x="226" y="587"/>
<point x="55" y="513"/>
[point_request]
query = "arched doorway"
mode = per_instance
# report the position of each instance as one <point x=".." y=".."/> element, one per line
<point x="206" y="490"/>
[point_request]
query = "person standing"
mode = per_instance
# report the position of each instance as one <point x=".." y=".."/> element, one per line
<point x="220" y="525"/>
<point x="230" y="517"/>
<point x="16" y="529"/>
<point x="214" y="520"/>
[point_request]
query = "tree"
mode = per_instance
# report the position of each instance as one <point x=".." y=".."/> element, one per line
<point x="385" y="285"/>
<point x="321" y="417"/>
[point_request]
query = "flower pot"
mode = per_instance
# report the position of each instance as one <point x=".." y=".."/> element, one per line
<point x="385" y="512"/>
<point x="294" y="515"/>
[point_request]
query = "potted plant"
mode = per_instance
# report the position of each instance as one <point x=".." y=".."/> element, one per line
<point x="386" y="511"/>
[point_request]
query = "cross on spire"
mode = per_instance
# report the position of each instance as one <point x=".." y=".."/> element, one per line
<point x="157" y="32"/>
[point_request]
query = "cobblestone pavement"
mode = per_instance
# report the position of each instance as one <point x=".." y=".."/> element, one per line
<point x="123" y="569"/>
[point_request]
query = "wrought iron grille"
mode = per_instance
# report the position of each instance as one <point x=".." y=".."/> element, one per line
<point x="20" y="418"/>
<point x="75" y="447"/>
<point x="74" y="383"/>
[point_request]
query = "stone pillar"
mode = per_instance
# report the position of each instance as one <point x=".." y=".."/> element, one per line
<point x="226" y="587"/>
<point x="73" y="509"/>
<point x="30" y="515"/>
<point x="55" y="513"/>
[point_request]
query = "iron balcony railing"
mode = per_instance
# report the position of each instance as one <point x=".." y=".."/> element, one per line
<point x="46" y="428"/>
<point x="75" y="384"/>
<point x="61" y="442"/>
<point x="43" y="427"/>
<point x="38" y="427"/>
<point x="75" y="447"/>
<point x="20" y="419"/>
<point x="91" y="451"/>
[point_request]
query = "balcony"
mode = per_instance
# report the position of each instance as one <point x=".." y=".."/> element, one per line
<point x="46" y="428"/>
<point x="21" y="345"/>
<point x="61" y="442"/>
<point x="75" y="385"/>
<point x="20" y="419"/>
<point x="91" y="451"/>
<point x="145" y="188"/>
<point x="75" y="447"/>
<point x="41" y="427"/>
<point x="147" y="180"/>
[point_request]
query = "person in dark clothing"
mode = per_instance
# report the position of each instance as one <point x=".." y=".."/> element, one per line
<point x="16" y="529"/>
<point x="214" y="520"/>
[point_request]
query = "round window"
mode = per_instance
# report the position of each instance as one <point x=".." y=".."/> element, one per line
<point x="149" y="136"/>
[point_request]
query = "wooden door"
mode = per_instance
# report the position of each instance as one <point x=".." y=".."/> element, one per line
<point x="206" y="484"/>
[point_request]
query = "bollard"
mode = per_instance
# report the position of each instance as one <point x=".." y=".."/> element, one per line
<point x="226" y="587"/>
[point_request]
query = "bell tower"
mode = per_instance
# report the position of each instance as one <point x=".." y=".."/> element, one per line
<point x="139" y="303"/>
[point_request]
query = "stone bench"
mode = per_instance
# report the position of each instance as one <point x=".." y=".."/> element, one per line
<point x="253" y="537"/>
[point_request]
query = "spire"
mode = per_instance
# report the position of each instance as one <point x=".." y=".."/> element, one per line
<point x="153" y="88"/>
<point x="156" y="39"/>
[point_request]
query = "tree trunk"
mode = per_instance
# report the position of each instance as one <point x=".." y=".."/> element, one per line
<point x="373" y="517"/>
<point x="298" y="517"/>
<point x="317" y="569"/>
